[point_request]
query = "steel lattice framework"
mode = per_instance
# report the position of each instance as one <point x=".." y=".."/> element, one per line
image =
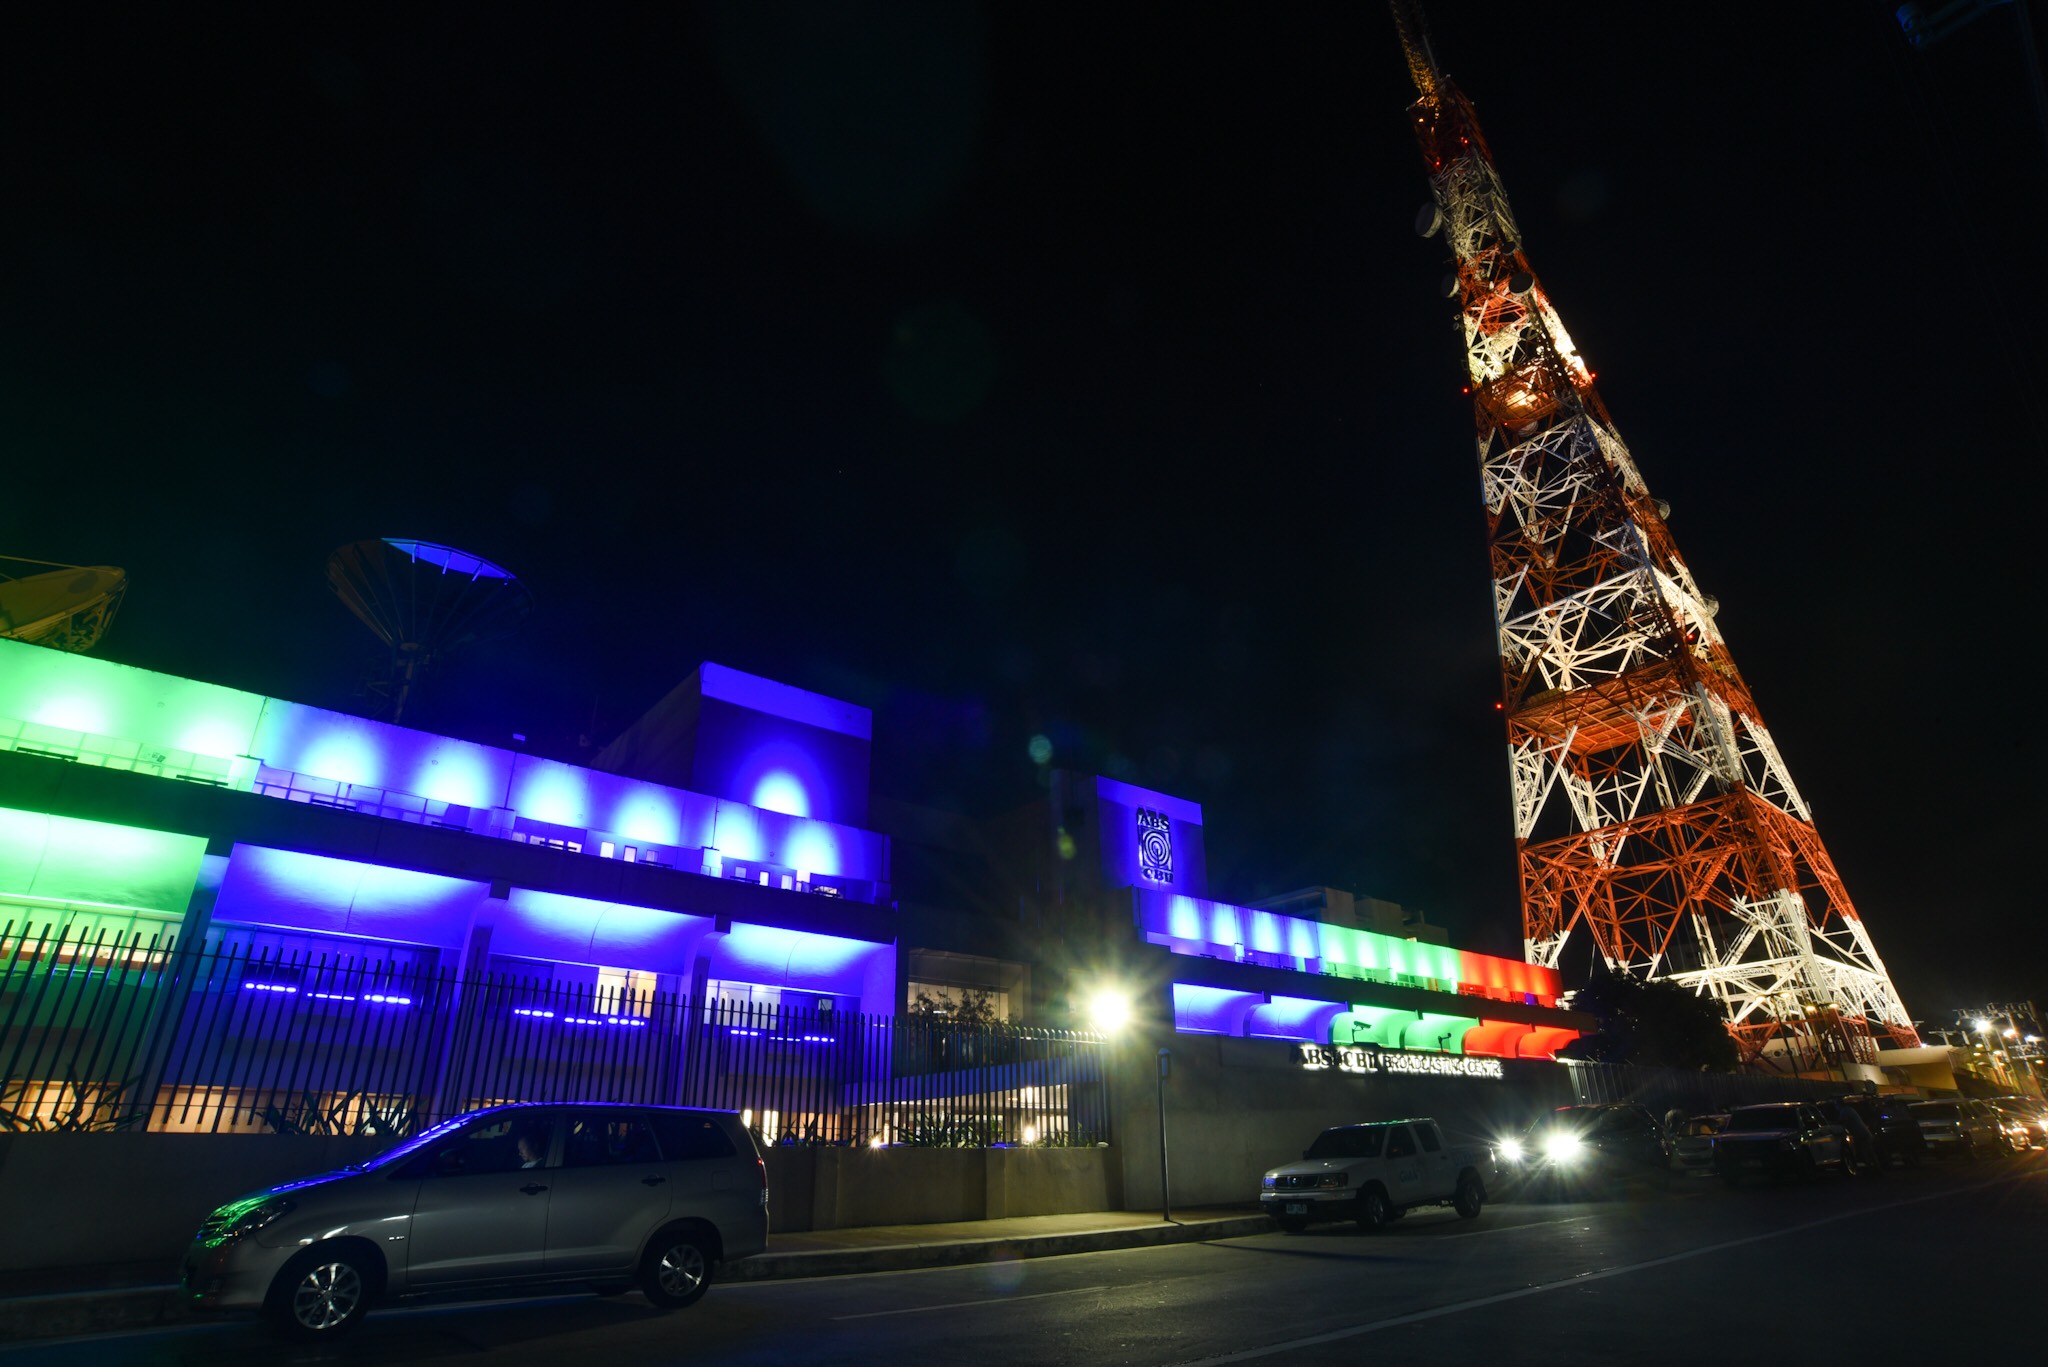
<point x="1652" y="806"/>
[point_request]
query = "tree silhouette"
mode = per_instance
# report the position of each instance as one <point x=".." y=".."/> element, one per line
<point x="1659" y="1024"/>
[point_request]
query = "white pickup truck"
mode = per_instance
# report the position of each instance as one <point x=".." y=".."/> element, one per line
<point x="1375" y="1172"/>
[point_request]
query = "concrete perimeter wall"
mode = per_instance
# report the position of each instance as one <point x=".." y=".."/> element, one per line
<point x="1235" y="1107"/>
<point x="74" y="1200"/>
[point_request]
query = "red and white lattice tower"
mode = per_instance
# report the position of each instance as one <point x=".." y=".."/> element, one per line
<point x="1652" y="807"/>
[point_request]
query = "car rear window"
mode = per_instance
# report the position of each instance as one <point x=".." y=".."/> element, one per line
<point x="691" y="1136"/>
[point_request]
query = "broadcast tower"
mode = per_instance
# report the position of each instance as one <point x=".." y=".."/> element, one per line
<point x="1651" y="805"/>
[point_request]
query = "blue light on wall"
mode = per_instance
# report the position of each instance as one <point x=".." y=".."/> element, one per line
<point x="1296" y="1018"/>
<point x="1201" y="1010"/>
<point x="583" y="930"/>
<point x="288" y="890"/>
<point x="773" y="957"/>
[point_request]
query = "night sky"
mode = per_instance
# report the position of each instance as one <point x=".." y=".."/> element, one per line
<point x="1059" y="370"/>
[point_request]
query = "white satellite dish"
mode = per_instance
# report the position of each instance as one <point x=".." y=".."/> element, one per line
<point x="67" y="607"/>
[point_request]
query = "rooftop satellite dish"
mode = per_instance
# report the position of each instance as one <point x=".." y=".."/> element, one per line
<point x="67" y="607"/>
<point x="424" y="601"/>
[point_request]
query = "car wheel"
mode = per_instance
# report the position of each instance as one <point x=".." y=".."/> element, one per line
<point x="321" y="1294"/>
<point x="677" y="1269"/>
<point x="1374" y="1210"/>
<point x="1470" y="1199"/>
<point x="1293" y="1225"/>
<point x="1970" y="1154"/>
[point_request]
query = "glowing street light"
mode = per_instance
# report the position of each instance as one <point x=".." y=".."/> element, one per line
<point x="1109" y="1010"/>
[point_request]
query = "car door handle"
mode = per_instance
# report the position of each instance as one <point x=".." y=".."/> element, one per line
<point x="533" y="1188"/>
<point x="652" y="1181"/>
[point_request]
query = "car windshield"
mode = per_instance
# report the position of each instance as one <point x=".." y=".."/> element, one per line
<point x="1765" y="1118"/>
<point x="1936" y="1110"/>
<point x="399" y="1152"/>
<point x="1349" y="1141"/>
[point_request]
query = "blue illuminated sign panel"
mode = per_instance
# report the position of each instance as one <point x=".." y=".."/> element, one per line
<point x="1155" y="846"/>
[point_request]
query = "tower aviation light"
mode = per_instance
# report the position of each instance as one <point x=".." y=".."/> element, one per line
<point x="424" y="601"/>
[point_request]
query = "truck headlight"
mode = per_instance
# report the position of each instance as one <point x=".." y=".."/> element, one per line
<point x="1334" y="1179"/>
<point x="1511" y="1150"/>
<point x="1269" y="1181"/>
<point x="1563" y="1147"/>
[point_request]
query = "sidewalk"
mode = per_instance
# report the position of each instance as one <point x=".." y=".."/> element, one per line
<point x="68" y="1301"/>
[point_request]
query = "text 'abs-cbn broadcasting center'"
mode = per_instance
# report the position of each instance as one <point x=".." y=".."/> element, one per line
<point x="221" y="908"/>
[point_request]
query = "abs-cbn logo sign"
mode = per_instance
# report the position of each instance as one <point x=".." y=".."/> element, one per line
<point x="1155" y="846"/>
<point x="1349" y="1058"/>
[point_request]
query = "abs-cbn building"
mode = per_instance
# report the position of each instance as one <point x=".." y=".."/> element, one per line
<point x="229" y="912"/>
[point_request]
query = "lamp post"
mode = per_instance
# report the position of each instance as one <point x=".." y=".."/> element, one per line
<point x="1165" y="1191"/>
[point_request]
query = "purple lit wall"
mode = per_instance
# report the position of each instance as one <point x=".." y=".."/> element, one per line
<point x="333" y="745"/>
<point x="1199" y="1010"/>
<point x="286" y="890"/>
<point x="824" y="964"/>
<point x="780" y="748"/>
<point x="545" y="925"/>
<point x="1127" y="858"/>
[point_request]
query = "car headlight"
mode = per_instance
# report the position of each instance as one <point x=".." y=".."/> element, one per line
<point x="1334" y="1179"/>
<point x="1269" y="1181"/>
<point x="1563" y="1147"/>
<point x="243" y="1218"/>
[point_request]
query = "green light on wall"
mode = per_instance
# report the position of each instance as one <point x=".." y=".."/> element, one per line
<point x="79" y="693"/>
<point x="62" y="859"/>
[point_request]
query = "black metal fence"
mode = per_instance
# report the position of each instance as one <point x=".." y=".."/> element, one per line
<point x="114" y="1032"/>
<point x="1695" y="1093"/>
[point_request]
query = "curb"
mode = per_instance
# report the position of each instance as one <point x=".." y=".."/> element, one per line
<point x="67" y="1314"/>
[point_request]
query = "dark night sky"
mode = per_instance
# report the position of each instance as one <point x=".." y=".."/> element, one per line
<point x="1064" y="370"/>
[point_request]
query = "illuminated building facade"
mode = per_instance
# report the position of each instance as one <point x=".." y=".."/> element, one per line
<point x="1123" y="875"/>
<point x="235" y="905"/>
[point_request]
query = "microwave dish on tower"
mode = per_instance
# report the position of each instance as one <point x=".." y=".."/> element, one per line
<point x="424" y="601"/>
<point x="67" y="607"/>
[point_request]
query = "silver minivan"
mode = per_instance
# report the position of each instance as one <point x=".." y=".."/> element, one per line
<point x="521" y="1197"/>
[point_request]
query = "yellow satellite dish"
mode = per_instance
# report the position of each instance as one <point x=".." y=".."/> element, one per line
<point x="67" y="607"/>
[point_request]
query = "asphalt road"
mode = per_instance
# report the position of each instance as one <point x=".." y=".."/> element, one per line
<point x="1927" y="1267"/>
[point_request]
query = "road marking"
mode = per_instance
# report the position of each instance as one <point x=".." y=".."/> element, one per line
<point x="1581" y="1279"/>
<point x="965" y="1305"/>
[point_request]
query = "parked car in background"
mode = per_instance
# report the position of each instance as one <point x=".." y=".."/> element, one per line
<point x="1779" y="1138"/>
<point x="2026" y="1120"/>
<point x="1581" y="1149"/>
<point x="1961" y="1128"/>
<point x="1891" y="1119"/>
<point x="521" y="1198"/>
<point x="1375" y="1172"/>
<point x="1692" y="1143"/>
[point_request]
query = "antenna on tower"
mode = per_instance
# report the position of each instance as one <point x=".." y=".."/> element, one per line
<point x="67" y="607"/>
<point x="425" y="601"/>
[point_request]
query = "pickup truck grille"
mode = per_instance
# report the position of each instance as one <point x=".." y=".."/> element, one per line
<point x="1295" y="1181"/>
